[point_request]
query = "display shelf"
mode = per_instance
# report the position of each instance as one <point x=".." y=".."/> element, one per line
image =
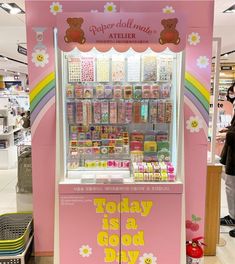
<point x="11" y="132"/>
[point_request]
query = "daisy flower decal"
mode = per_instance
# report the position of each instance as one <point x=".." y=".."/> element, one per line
<point x="168" y="10"/>
<point x="55" y="8"/>
<point x="194" y="38"/>
<point x="40" y="58"/>
<point x="110" y="7"/>
<point x="194" y="124"/>
<point x="202" y="62"/>
<point x="148" y="259"/>
<point x="85" y="251"/>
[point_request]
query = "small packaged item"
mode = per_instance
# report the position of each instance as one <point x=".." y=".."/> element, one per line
<point x="104" y="112"/>
<point x="108" y="92"/>
<point x="121" y="112"/>
<point x="144" y="111"/>
<point x="104" y="150"/>
<point x="162" y="136"/>
<point x="88" y="92"/>
<point x="150" y="136"/>
<point x="150" y="146"/>
<point x="128" y="112"/>
<point x="146" y="91"/>
<point x="70" y="112"/>
<point x="137" y="136"/>
<point x="155" y="91"/>
<point x="136" y="146"/>
<point x="113" y="112"/>
<point x="69" y="90"/>
<point x="161" y="111"/>
<point x="163" y="145"/>
<point x="87" y="113"/>
<point x="153" y="112"/>
<point x="117" y="92"/>
<point x="78" y="91"/>
<point x="97" y="112"/>
<point x="128" y="92"/>
<point x="137" y="92"/>
<point x="168" y="111"/>
<point x="137" y="112"/>
<point x="99" y="91"/>
<point x="165" y="90"/>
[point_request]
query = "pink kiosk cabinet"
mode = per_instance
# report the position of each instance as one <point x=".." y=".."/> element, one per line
<point x="119" y="100"/>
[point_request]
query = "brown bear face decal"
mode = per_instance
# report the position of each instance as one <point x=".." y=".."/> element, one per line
<point x="169" y="34"/>
<point x="74" y="33"/>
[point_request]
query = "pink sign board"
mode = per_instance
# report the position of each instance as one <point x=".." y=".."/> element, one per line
<point x="126" y="228"/>
<point x="121" y="30"/>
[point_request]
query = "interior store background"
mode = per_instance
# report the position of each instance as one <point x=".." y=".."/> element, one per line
<point x="14" y="86"/>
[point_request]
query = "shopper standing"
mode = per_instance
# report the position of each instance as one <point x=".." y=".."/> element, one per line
<point x="228" y="159"/>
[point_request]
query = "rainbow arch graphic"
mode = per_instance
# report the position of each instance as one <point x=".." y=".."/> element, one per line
<point x="41" y="94"/>
<point x="196" y="92"/>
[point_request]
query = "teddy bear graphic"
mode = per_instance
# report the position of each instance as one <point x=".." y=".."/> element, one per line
<point x="74" y="33"/>
<point x="169" y="34"/>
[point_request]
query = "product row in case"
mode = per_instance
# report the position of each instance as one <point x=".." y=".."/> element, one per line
<point x="99" y="91"/>
<point x="153" y="171"/>
<point x="119" y="69"/>
<point x="121" y="112"/>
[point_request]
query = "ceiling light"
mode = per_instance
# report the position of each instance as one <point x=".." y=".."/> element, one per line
<point x="231" y="9"/>
<point x="11" y="8"/>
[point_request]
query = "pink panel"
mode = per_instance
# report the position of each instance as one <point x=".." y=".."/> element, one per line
<point x="43" y="160"/>
<point x="88" y="220"/>
<point x="157" y="227"/>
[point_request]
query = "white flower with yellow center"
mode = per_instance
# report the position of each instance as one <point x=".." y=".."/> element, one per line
<point x="110" y="7"/>
<point x="194" y="124"/>
<point x="55" y="8"/>
<point x="194" y="38"/>
<point x="202" y="62"/>
<point x="168" y="10"/>
<point x="40" y="58"/>
<point x="148" y="259"/>
<point x="85" y="251"/>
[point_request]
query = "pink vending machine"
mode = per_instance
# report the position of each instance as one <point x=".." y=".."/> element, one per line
<point x="119" y="140"/>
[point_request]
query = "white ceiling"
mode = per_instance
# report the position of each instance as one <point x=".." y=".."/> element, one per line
<point x="12" y="32"/>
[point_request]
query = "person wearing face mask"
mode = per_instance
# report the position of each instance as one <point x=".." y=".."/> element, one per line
<point x="228" y="160"/>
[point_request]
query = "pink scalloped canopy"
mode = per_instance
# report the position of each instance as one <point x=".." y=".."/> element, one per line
<point x="121" y="31"/>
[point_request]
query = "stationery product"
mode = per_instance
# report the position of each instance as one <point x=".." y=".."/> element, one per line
<point x="69" y="91"/>
<point x="70" y="112"/>
<point x="87" y="113"/>
<point x="102" y="69"/>
<point x="164" y="69"/>
<point x="78" y="91"/>
<point x="137" y="92"/>
<point x="121" y="112"/>
<point x="146" y="91"/>
<point x="161" y="111"/>
<point x="79" y="112"/>
<point x="133" y="69"/>
<point x="150" y="136"/>
<point x="73" y="133"/>
<point x="165" y="90"/>
<point x="99" y="91"/>
<point x="162" y="136"/>
<point x="108" y="92"/>
<point x="128" y="112"/>
<point x="153" y="112"/>
<point x="163" y="145"/>
<point x="117" y="92"/>
<point x="118" y="69"/>
<point x="137" y="136"/>
<point x="150" y="146"/>
<point x="168" y="111"/>
<point x="88" y="92"/>
<point x="155" y="91"/>
<point x="144" y="111"/>
<point x="128" y="92"/>
<point x="97" y="112"/>
<point x="74" y="69"/>
<point x="136" y="146"/>
<point x="87" y="69"/>
<point x="149" y="66"/>
<point x="137" y="112"/>
<point x="113" y="112"/>
<point x="104" y="112"/>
